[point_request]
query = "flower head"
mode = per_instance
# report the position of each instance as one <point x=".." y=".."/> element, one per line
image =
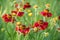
<point x="55" y="19"/>
<point x="35" y="29"/>
<point x="18" y="23"/>
<point x="14" y="12"/>
<point x="41" y="25"/>
<point x="27" y="5"/>
<point x="30" y="14"/>
<point x="8" y="18"/>
<point x="35" y="6"/>
<point x="47" y="5"/>
<point x="23" y="29"/>
<point x="20" y="14"/>
<point x="38" y="23"/>
<point x="29" y="11"/>
<point x="20" y="9"/>
<point x="16" y="5"/>
<point x="46" y="13"/>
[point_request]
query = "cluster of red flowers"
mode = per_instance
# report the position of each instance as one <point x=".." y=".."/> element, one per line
<point x="41" y="25"/>
<point x="22" y="28"/>
<point x="27" y="5"/>
<point x="46" y="13"/>
<point x="20" y="14"/>
<point x="11" y="18"/>
<point x="8" y="18"/>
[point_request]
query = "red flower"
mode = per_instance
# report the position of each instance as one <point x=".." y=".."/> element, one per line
<point x="17" y="28"/>
<point x="43" y="13"/>
<point x="27" y="5"/>
<point x="49" y="14"/>
<point x="7" y="18"/>
<point x="20" y="14"/>
<point x="22" y="29"/>
<point x="16" y="5"/>
<point x="46" y="13"/>
<point x="41" y="25"/>
<point x="36" y="24"/>
<point x="14" y="12"/>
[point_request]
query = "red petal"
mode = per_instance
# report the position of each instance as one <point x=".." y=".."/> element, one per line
<point x="6" y="18"/>
<point x="20" y="14"/>
<point x="14" y="12"/>
<point x="43" y="13"/>
<point x="49" y="14"/>
<point x="27" y="5"/>
<point x="16" y="5"/>
<point x="25" y="31"/>
<point x="17" y="28"/>
<point x="44" y="26"/>
<point x="36" y="24"/>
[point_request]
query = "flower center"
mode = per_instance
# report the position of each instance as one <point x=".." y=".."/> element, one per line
<point x="46" y="10"/>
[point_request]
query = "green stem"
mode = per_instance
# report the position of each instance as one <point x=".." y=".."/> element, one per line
<point x="35" y="15"/>
<point x="44" y="18"/>
<point x="7" y="31"/>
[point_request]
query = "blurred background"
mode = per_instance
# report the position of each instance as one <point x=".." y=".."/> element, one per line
<point x="7" y="5"/>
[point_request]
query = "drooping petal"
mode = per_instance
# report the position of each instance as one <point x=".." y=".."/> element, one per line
<point x="25" y="31"/>
<point x="27" y="5"/>
<point x="20" y="14"/>
<point x="43" y="13"/>
<point x="14" y="11"/>
<point x="7" y="18"/>
<point x="49" y="14"/>
<point x="44" y="26"/>
<point x="36" y="24"/>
